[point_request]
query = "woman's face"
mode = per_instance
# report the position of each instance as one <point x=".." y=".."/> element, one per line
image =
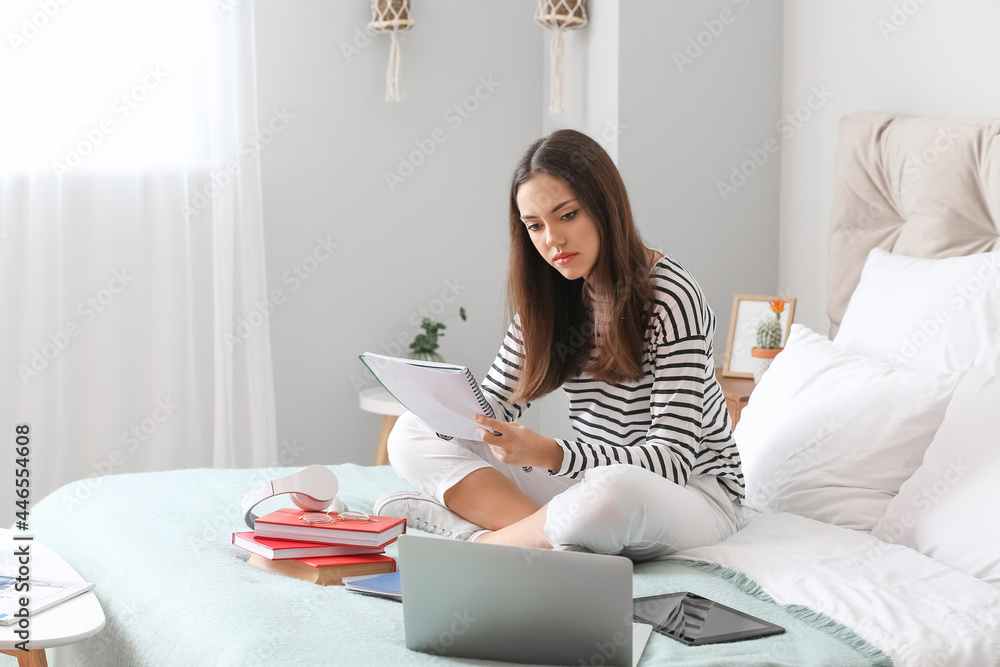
<point x="563" y="233"/>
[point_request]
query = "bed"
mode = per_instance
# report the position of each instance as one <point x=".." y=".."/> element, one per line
<point x="868" y="459"/>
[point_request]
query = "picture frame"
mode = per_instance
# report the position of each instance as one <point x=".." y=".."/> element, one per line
<point x="748" y="309"/>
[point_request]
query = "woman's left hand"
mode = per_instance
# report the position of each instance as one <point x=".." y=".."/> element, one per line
<point x="518" y="445"/>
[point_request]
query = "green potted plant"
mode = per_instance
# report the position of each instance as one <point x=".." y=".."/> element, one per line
<point x="424" y="346"/>
<point x="768" y="340"/>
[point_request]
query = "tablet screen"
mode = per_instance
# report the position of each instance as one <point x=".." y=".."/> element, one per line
<point x="695" y="620"/>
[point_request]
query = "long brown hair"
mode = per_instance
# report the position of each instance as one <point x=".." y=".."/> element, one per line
<point x="561" y="319"/>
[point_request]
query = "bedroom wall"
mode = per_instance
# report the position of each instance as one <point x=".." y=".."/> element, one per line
<point x="908" y="57"/>
<point x="700" y="87"/>
<point x="677" y="130"/>
<point x="430" y="241"/>
<point x="679" y="92"/>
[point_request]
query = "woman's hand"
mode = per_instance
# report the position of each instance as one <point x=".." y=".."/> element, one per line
<point x="518" y="445"/>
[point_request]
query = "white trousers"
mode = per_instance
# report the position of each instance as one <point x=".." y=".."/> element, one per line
<point x="617" y="509"/>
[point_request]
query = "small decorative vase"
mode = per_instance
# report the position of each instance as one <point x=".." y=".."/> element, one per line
<point x="762" y="359"/>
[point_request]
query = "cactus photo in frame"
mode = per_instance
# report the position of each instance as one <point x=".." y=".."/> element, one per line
<point x="759" y="322"/>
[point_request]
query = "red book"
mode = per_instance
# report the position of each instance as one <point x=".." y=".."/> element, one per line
<point x="284" y="549"/>
<point x="326" y="570"/>
<point x="287" y="524"/>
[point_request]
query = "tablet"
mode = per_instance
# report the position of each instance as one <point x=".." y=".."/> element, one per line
<point x="696" y="621"/>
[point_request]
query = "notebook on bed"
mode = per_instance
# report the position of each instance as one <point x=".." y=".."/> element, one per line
<point x="490" y="602"/>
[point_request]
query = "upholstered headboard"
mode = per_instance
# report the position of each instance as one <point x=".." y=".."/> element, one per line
<point x="925" y="187"/>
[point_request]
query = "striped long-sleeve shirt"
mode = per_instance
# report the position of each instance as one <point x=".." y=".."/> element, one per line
<point x="673" y="421"/>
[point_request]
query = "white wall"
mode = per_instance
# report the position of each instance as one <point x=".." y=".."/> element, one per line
<point x="590" y="77"/>
<point x="908" y="57"/>
<point x="680" y="132"/>
<point x="676" y="133"/>
<point x="399" y="251"/>
<point x="686" y="127"/>
<point x="679" y="118"/>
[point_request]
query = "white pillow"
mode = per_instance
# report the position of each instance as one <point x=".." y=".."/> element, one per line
<point x="948" y="509"/>
<point x="831" y="435"/>
<point x="929" y="314"/>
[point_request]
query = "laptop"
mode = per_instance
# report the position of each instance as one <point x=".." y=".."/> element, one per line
<point x="492" y="602"/>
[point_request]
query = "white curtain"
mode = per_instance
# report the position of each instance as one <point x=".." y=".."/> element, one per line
<point x="133" y="303"/>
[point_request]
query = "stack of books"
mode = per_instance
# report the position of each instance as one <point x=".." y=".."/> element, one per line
<point x="323" y="553"/>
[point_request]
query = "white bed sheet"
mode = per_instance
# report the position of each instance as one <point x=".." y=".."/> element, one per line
<point x="917" y="610"/>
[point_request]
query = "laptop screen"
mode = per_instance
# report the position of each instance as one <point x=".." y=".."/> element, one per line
<point x="486" y="601"/>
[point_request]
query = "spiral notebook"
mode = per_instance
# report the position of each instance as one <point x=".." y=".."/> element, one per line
<point x="446" y="397"/>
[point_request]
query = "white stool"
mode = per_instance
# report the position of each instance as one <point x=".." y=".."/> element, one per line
<point x="379" y="401"/>
<point x="67" y="622"/>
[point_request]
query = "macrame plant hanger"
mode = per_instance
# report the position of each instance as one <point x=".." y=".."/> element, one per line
<point x="559" y="16"/>
<point x="391" y="16"/>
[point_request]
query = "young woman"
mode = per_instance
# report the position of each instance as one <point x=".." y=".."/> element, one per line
<point x="627" y="333"/>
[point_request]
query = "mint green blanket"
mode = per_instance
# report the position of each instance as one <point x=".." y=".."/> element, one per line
<point x="176" y="592"/>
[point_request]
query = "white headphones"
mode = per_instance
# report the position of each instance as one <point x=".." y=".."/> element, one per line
<point x="313" y="489"/>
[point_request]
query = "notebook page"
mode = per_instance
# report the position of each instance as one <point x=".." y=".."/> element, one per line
<point x="640" y="635"/>
<point x="443" y="396"/>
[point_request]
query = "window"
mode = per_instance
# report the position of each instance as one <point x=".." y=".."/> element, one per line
<point x="103" y="84"/>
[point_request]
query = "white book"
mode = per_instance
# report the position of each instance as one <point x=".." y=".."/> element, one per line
<point x="42" y="594"/>
<point x="446" y="397"/>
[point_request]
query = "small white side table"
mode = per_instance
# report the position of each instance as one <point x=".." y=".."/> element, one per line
<point x="65" y="623"/>
<point x="379" y="401"/>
